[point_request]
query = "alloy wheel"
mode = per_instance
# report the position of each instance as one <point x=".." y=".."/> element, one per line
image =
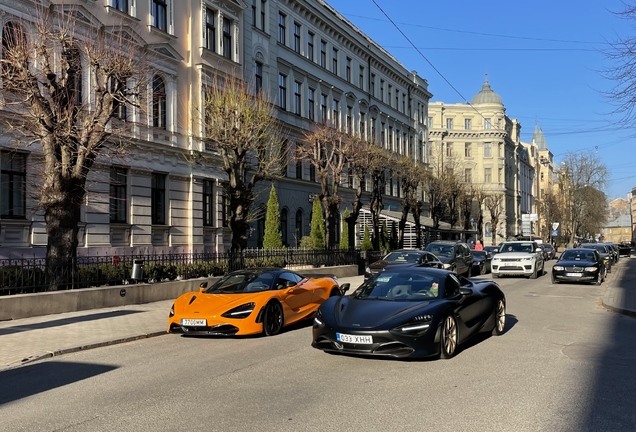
<point x="500" y="318"/>
<point x="449" y="337"/>
<point x="273" y="320"/>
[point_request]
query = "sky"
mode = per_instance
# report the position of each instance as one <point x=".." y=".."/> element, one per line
<point x="544" y="58"/>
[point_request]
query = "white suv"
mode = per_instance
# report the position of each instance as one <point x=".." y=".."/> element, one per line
<point x="519" y="258"/>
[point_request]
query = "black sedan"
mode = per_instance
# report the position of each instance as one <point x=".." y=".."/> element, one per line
<point x="404" y="256"/>
<point x="410" y="311"/>
<point x="549" y="250"/>
<point x="604" y="251"/>
<point x="624" y="248"/>
<point x="579" y="265"/>
<point x="481" y="262"/>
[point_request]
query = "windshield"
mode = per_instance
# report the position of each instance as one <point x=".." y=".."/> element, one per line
<point x="403" y="257"/>
<point x="578" y="255"/>
<point x="403" y="286"/>
<point x="598" y="247"/>
<point x="516" y="247"/>
<point x="243" y="282"/>
<point x="440" y="250"/>
<point x="479" y="254"/>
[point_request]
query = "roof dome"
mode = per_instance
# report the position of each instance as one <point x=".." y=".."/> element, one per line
<point x="486" y="95"/>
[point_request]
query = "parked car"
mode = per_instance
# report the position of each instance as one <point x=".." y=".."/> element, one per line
<point x="403" y="256"/>
<point x="519" y="258"/>
<point x="550" y="252"/>
<point x="492" y="249"/>
<point x="254" y="301"/>
<point x="614" y="250"/>
<point x="481" y="262"/>
<point x="603" y="250"/>
<point x="625" y="248"/>
<point x="579" y="265"/>
<point x="455" y="256"/>
<point x="410" y="312"/>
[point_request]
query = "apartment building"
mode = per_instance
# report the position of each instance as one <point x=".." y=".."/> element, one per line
<point x="484" y="143"/>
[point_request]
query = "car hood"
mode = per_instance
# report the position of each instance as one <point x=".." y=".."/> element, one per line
<point x="369" y="313"/>
<point x="212" y="304"/>
<point x="445" y="260"/>
<point x="379" y="265"/>
<point x="514" y="255"/>
<point x="575" y="263"/>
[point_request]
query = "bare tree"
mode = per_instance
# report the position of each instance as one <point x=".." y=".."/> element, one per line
<point x="494" y="204"/>
<point x="377" y="174"/>
<point x="466" y="204"/>
<point x="454" y="191"/>
<point x="594" y="212"/>
<point x="408" y="171"/>
<point x="43" y="76"/>
<point x="480" y="198"/>
<point x="244" y="130"/>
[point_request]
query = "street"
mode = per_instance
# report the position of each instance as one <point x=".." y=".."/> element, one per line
<point x="564" y="364"/>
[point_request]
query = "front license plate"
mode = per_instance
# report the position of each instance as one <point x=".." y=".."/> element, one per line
<point x="354" y="339"/>
<point x="193" y="322"/>
<point x="574" y="274"/>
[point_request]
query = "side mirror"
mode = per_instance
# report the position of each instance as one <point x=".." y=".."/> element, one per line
<point x="465" y="291"/>
<point x="203" y="286"/>
<point x="290" y="284"/>
<point x="344" y="288"/>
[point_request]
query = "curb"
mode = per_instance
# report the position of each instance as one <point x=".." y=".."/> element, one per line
<point x="606" y="296"/>
<point x="62" y="351"/>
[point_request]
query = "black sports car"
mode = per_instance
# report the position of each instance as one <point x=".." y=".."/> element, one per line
<point x="403" y="256"/>
<point x="579" y="265"/>
<point x="481" y="262"/>
<point x="410" y="311"/>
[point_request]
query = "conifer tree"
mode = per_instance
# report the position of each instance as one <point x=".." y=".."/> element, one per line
<point x="273" y="238"/>
<point x="384" y="237"/>
<point x="366" y="240"/>
<point x="317" y="232"/>
<point x="344" y="235"/>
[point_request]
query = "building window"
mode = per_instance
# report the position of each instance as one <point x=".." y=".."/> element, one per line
<point x="383" y="134"/>
<point x="158" y="199"/>
<point x="263" y="9"/>
<point x="382" y="90"/>
<point x="258" y="77"/>
<point x="208" y="203"/>
<point x="225" y="210"/>
<point x="361" y="78"/>
<point x="348" y="70"/>
<point x="118" y="199"/>
<point x="310" y="103"/>
<point x="323" y="54"/>
<point x="282" y="91"/>
<point x="310" y="46"/>
<point x="297" y="98"/>
<point x="467" y="124"/>
<point x="210" y="30"/>
<point x="349" y="120"/>
<point x="420" y="150"/>
<point x="397" y="99"/>
<point x="487" y="175"/>
<point x="373" y="123"/>
<point x="118" y="88"/>
<point x="121" y="5"/>
<point x="334" y="60"/>
<point x="487" y="123"/>
<point x="391" y="139"/>
<point x="13" y="187"/>
<point x="227" y="38"/>
<point x="363" y="125"/>
<point x="254" y="14"/>
<point x="297" y="37"/>
<point x="74" y="76"/>
<point x="487" y="149"/>
<point x="334" y="114"/>
<point x="160" y="14"/>
<point x="467" y="150"/>
<point x="312" y="173"/>
<point x="159" y="103"/>
<point x="284" y="226"/>
<point x="323" y="108"/>
<point x="372" y="85"/>
<point x="468" y="175"/>
<point x="430" y="122"/>
<point x="281" y="27"/>
<point x="449" y="149"/>
<point x="390" y="92"/>
<point x="299" y="226"/>
<point x="449" y="123"/>
<point x="299" y="169"/>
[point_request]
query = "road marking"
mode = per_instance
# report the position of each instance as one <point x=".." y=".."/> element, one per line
<point x="551" y="295"/>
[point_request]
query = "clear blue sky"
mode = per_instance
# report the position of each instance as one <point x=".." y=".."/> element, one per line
<point x="542" y="57"/>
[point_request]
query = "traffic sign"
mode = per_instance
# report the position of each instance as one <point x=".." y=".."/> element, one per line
<point x="555" y="225"/>
<point x="555" y="233"/>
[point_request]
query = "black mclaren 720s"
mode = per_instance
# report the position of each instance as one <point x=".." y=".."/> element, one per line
<point x="410" y="311"/>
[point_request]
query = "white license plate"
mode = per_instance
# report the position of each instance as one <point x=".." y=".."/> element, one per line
<point x="193" y="322"/>
<point x="574" y="274"/>
<point x="354" y="339"/>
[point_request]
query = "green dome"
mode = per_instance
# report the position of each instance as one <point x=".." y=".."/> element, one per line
<point x="486" y="95"/>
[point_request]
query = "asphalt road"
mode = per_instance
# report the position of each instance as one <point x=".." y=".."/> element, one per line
<point x="564" y="364"/>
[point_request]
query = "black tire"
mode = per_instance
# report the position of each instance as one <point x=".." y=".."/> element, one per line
<point x="599" y="280"/>
<point x="534" y="273"/>
<point x="448" y="338"/>
<point x="500" y="318"/>
<point x="554" y="281"/>
<point x="273" y="319"/>
<point x="482" y="270"/>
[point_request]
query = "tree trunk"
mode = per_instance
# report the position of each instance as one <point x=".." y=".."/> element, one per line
<point x="417" y="212"/>
<point x="402" y="225"/>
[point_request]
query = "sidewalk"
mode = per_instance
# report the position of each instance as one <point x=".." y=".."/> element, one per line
<point x="620" y="295"/>
<point x="29" y="339"/>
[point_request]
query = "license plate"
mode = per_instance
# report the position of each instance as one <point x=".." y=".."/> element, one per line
<point x="193" y="322"/>
<point x="574" y="274"/>
<point x="354" y="339"/>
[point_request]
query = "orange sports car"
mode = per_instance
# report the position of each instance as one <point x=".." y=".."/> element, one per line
<point x="251" y="301"/>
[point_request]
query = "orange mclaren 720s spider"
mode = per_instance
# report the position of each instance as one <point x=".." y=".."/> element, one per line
<point x="253" y="301"/>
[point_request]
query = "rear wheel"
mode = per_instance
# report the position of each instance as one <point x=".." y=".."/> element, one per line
<point x="272" y="319"/>
<point x="500" y="318"/>
<point x="448" y="338"/>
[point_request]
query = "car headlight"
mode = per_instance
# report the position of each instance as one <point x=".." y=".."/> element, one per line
<point x="171" y="311"/>
<point x="318" y="322"/>
<point x="558" y="268"/>
<point x="591" y="269"/>
<point x="367" y="270"/>
<point x="496" y="259"/>
<point x="415" y="327"/>
<point x="527" y="259"/>
<point x="242" y="311"/>
<point x="446" y="266"/>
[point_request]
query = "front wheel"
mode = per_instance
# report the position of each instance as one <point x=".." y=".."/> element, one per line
<point x="500" y="318"/>
<point x="599" y="280"/>
<point x="273" y="319"/>
<point x="448" y="338"/>
<point x="534" y="273"/>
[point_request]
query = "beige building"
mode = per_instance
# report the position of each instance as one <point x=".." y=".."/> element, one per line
<point x="484" y="143"/>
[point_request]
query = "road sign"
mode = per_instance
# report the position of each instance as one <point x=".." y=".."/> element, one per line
<point x="534" y="217"/>
<point x="555" y="233"/>
<point x="555" y="225"/>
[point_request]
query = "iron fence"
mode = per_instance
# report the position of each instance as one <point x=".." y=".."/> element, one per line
<point x="29" y="275"/>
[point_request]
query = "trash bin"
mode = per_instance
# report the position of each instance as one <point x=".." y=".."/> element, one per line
<point x="137" y="270"/>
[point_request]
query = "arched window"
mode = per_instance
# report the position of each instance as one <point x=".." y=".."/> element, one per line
<point x="12" y="41"/>
<point x="299" y="226"/>
<point x="487" y="229"/>
<point x="158" y="102"/>
<point x="283" y="226"/>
